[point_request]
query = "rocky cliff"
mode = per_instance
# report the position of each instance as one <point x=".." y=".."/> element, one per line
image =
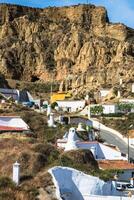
<point x="77" y="45"/>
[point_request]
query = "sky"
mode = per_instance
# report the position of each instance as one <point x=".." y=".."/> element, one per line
<point x="118" y="10"/>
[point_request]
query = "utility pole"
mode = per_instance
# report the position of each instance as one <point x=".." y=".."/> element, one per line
<point x="87" y="1"/>
<point x="128" y="148"/>
<point x="126" y="119"/>
<point x="51" y="89"/>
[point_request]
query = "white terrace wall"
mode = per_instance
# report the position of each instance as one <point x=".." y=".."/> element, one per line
<point x="80" y="186"/>
<point x="73" y="106"/>
<point x="87" y="197"/>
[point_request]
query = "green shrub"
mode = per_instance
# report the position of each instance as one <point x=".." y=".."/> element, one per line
<point x="53" y="105"/>
<point x="40" y="162"/>
<point x="4" y="195"/>
<point x="48" y="150"/>
<point x="113" y="115"/>
<point x="97" y="110"/>
<point x="26" y="177"/>
<point x="33" y="192"/>
<point x="6" y="182"/>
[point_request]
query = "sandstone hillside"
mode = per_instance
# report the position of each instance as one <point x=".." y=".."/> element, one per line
<point x="77" y="45"/>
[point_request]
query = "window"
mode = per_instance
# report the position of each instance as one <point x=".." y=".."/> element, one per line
<point x="132" y="174"/>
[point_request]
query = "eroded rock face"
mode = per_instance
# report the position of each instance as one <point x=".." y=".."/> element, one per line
<point x="75" y="45"/>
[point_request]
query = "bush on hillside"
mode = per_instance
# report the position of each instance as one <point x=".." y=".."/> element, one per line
<point x="48" y="150"/>
<point x="6" y="182"/>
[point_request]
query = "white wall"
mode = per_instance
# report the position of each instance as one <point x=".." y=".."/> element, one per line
<point x="111" y="154"/>
<point x="79" y="185"/>
<point x="132" y="87"/>
<point x="127" y="100"/>
<point x="109" y="109"/>
<point x="73" y="105"/>
<point x="102" y="151"/>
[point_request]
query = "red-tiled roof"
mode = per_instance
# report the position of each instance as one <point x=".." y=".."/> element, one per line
<point x="8" y="128"/>
<point x="115" y="164"/>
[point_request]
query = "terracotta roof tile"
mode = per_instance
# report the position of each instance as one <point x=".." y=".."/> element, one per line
<point x="115" y="164"/>
<point x="8" y="128"/>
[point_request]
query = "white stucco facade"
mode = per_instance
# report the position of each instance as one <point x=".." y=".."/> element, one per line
<point x="71" y="106"/>
<point x="111" y="108"/>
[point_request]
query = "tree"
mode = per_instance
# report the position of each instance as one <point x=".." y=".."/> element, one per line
<point x="53" y="105"/>
<point x="125" y="107"/>
<point x="97" y="110"/>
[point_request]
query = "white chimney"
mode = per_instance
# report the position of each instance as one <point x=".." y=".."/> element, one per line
<point x="51" y="120"/>
<point x="119" y="94"/>
<point x="87" y="97"/>
<point x="120" y="81"/>
<point x="132" y="181"/>
<point x="48" y="110"/>
<point x="132" y="87"/>
<point x="71" y="141"/>
<point x="16" y="173"/>
<point x="3" y="101"/>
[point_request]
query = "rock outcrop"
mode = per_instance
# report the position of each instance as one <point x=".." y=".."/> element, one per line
<point x="76" y="45"/>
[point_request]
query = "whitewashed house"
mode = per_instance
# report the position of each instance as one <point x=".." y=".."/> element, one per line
<point x="127" y="169"/>
<point x="17" y="95"/>
<point x="100" y="151"/>
<point x="12" y="123"/>
<point x="71" y="105"/>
